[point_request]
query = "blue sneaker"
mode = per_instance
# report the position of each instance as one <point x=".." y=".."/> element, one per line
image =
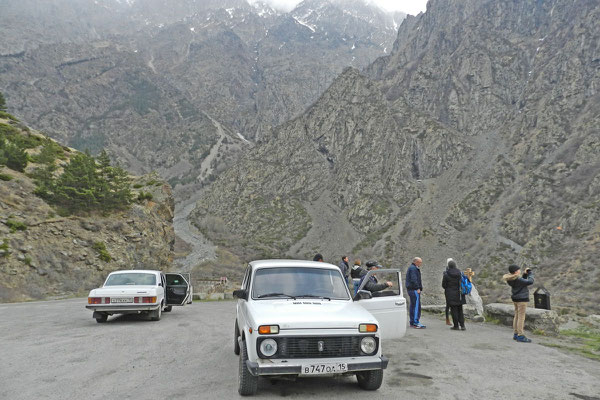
<point x="419" y="326"/>
<point x="523" y="339"/>
<point x="515" y="336"/>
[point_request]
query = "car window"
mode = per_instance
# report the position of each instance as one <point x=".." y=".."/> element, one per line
<point x="246" y="281"/>
<point x="175" y="280"/>
<point x="132" y="278"/>
<point x="293" y="282"/>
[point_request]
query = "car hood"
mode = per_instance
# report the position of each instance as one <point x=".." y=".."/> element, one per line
<point x="123" y="290"/>
<point x="309" y="313"/>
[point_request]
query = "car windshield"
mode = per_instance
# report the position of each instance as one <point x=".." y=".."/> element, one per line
<point x="132" y="278"/>
<point x="290" y="282"/>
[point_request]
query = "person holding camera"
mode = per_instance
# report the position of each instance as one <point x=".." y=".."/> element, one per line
<point x="520" y="297"/>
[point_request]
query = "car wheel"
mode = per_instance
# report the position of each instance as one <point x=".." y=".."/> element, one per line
<point x="103" y="318"/>
<point x="370" y="380"/>
<point x="236" y="344"/>
<point x="155" y="315"/>
<point x="247" y="383"/>
<point x="168" y="308"/>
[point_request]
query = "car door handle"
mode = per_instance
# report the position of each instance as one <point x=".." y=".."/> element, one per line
<point x="399" y="302"/>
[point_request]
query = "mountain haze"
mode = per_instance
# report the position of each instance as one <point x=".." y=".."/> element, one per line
<point x="148" y="79"/>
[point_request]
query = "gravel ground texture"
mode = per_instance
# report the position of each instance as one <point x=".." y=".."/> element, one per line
<point x="55" y="350"/>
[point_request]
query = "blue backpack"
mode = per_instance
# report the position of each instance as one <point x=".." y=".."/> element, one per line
<point x="465" y="285"/>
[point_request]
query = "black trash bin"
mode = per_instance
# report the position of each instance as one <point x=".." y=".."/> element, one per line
<point x="541" y="298"/>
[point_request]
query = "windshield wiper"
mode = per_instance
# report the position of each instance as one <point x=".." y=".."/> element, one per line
<point x="276" y="295"/>
<point x="312" y="296"/>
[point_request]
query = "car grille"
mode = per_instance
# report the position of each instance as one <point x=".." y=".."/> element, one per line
<point x="309" y="346"/>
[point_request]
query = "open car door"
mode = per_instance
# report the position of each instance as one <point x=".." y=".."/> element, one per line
<point x="179" y="289"/>
<point x="387" y="306"/>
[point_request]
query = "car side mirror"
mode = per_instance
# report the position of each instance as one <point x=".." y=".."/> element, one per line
<point x="159" y="283"/>
<point x="240" y="294"/>
<point x="363" y="295"/>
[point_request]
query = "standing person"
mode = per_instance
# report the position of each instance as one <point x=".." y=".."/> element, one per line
<point x="448" y="305"/>
<point x="454" y="297"/>
<point x="356" y="273"/>
<point x="414" y="288"/>
<point x="520" y="298"/>
<point x="344" y="267"/>
<point x="318" y="257"/>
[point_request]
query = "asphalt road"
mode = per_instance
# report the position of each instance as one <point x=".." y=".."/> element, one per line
<point x="55" y="350"/>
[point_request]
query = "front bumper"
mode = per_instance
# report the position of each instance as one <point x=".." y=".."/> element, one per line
<point x="295" y="366"/>
<point x="118" y="309"/>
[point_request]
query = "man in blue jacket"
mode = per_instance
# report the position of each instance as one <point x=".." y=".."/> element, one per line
<point x="414" y="288"/>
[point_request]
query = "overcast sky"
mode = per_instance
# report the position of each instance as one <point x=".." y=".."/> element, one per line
<point x="408" y="6"/>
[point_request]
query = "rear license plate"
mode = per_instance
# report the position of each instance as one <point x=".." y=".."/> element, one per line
<point x="121" y="300"/>
<point x="324" y="368"/>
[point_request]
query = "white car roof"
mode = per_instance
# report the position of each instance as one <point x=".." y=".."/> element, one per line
<point x="142" y="271"/>
<point x="291" y="263"/>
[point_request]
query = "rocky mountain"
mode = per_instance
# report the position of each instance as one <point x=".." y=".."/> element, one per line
<point x="44" y="254"/>
<point x="168" y="85"/>
<point x="477" y="138"/>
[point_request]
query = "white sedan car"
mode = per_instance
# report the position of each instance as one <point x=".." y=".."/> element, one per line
<point x="298" y="319"/>
<point x="139" y="291"/>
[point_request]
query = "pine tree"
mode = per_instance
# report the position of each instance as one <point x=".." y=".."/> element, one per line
<point x="77" y="188"/>
<point x="2" y="102"/>
<point x="12" y="156"/>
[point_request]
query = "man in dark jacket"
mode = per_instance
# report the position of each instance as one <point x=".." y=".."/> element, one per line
<point x="414" y="288"/>
<point x="520" y="298"/>
<point x="344" y="267"/>
<point x="372" y="284"/>
<point x="454" y="297"/>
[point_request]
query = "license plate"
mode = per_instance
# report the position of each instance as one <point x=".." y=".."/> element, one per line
<point x="324" y="368"/>
<point x="121" y="300"/>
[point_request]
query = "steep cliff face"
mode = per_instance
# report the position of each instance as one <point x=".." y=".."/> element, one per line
<point x="46" y="255"/>
<point x="477" y="139"/>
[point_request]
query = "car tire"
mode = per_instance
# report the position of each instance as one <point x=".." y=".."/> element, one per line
<point x="155" y="315"/>
<point x="236" y="335"/>
<point x="247" y="383"/>
<point x="168" y="308"/>
<point x="370" y="380"/>
<point x="102" y="319"/>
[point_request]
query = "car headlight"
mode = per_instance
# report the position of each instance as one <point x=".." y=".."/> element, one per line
<point x="268" y="347"/>
<point x="368" y="345"/>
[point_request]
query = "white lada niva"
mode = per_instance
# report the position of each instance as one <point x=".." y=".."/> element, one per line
<point x="299" y="319"/>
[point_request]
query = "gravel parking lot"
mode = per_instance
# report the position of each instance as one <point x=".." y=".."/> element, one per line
<point x="55" y="350"/>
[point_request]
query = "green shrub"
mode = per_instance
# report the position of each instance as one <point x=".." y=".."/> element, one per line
<point x="49" y="153"/>
<point x="138" y="185"/>
<point x="15" y="225"/>
<point x="5" y="115"/>
<point x="4" y="246"/>
<point x="27" y="260"/>
<point x="15" y="136"/>
<point x="144" y="196"/>
<point x="151" y="182"/>
<point x="100" y="248"/>
<point x="12" y="155"/>
<point x="5" y="177"/>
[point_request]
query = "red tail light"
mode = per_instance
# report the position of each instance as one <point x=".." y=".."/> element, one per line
<point x="149" y="299"/>
<point x="94" y="300"/>
<point x="107" y="300"/>
<point x="136" y="299"/>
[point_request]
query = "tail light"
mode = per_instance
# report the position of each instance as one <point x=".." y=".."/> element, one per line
<point x="94" y="300"/>
<point x="149" y="299"/>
